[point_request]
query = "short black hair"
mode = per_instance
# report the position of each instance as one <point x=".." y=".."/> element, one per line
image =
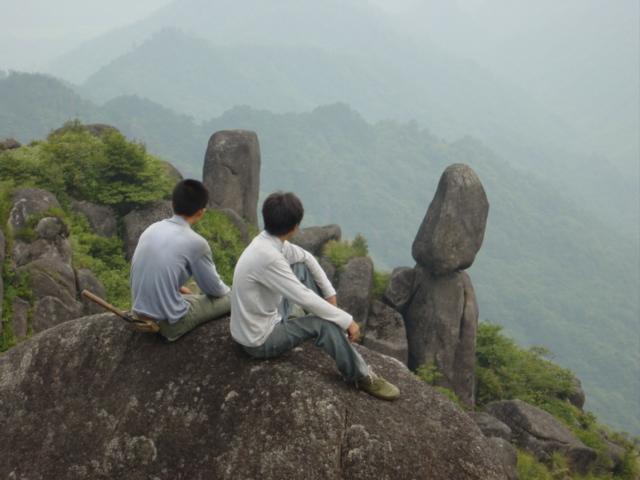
<point x="188" y="197"/>
<point x="282" y="212"/>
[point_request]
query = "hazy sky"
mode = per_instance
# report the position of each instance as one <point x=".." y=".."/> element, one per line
<point x="35" y="30"/>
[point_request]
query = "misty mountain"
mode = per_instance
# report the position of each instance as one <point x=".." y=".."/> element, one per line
<point x="292" y="56"/>
<point x="549" y="271"/>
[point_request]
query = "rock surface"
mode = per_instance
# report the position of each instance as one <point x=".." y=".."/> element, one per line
<point x="313" y="239"/>
<point x="86" y="280"/>
<point x="137" y="221"/>
<point x="328" y="267"/>
<point x="355" y="288"/>
<point x="20" y="317"/>
<point x="577" y="397"/>
<point x="171" y="171"/>
<point x="400" y="288"/>
<point x="508" y="455"/>
<point x="232" y="172"/>
<point x="97" y="401"/>
<point x="539" y="433"/>
<point x="490" y="426"/>
<point x="102" y="219"/>
<point x="27" y="201"/>
<point x="385" y="332"/>
<point x="9" y="144"/>
<point x="441" y="323"/>
<point x="453" y="228"/>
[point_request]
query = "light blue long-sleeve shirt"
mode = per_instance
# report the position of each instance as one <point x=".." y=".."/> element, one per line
<point x="168" y="253"/>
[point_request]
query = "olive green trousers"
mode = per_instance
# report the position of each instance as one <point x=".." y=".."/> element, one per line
<point x="202" y="308"/>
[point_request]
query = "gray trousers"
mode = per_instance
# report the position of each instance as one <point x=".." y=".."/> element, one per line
<point x="292" y="331"/>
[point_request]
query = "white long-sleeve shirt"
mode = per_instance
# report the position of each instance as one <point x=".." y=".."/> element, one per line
<point x="263" y="276"/>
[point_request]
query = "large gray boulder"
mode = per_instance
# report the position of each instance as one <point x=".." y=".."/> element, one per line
<point x="232" y="172"/>
<point x="385" y="332"/>
<point x="313" y="239"/>
<point x="577" y="396"/>
<point x="539" y="433"/>
<point x="50" y="243"/>
<point x="400" y="288"/>
<point x="28" y="201"/>
<point x="355" y="288"/>
<point x="442" y="322"/>
<point x="491" y="426"/>
<point x="98" y="401"/>
<point x="137" y="221"/>
<point x="453" y="228"/>
<point x="54" y="292"/>
<point x="508" y="455"/>
<point x="20" y="317"/>
<point x="328" y="267"/>
<point x="102" y="219"/>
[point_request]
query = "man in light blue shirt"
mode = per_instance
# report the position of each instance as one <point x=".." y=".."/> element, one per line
<point x="168" y="253"/>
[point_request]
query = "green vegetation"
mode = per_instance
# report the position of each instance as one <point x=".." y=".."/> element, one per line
<point x="74" y="163"/>
<point x="507" y="371"/>
<point x="430" y="374"/>
<point x="225" y="241"/>
<point x="341" y="251"/>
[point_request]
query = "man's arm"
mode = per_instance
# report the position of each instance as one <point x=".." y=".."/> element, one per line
<point x="296" y="254"/>
<point x="279" y="277"/>
<point x="206" y="276"/>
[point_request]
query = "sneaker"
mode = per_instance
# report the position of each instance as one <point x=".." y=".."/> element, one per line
<point x="378" y="387"/>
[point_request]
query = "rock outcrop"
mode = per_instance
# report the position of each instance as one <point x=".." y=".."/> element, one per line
<point x="400" y="288"/>
<point x="41" y="258"/>
<point x="232" y="172"/>
<point x="29" y="201"/>
<point x="385" y="332"/>
<point x="355" y="288"/>
<point x="441" y="324"/>
<point x="95" y="400"/>
<point x="491" y="426"/>
<point x="441" y="315"/>
<point x="171" y="171"/>
<point x="453" y="228"/>
<point x="86" y="280"/>
<point x="539" y="433"/>
<point x="313" y="239"/>
<point x="137" y="221"/>
<point x="9" y="144"/>
<point x="102" y="219"/>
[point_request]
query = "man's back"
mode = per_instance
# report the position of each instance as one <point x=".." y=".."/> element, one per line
<point x="167" y="254"/>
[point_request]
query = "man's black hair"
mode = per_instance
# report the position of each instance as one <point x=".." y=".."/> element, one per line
<point x="281" y="213"/>
<point x="188" y="197"/>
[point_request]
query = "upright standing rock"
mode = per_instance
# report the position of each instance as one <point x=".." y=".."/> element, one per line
<point x="355" y="288"/>
<point x="442" y="315"/>
<point x="441" y="324"/>
<point x="453" y="228"/>
<point x="232" y="172"/>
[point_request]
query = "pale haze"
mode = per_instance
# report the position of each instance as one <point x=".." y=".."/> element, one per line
<point x="34" y="31"/>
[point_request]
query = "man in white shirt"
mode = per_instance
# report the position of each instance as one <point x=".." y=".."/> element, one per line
<point x="264" y="278"/>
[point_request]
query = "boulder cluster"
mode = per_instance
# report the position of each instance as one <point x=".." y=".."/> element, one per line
<point x="47" y="285"/>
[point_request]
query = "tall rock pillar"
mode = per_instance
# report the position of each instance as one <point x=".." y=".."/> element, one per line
<point x="232" y="172"/>
<point x="442" y="316"/>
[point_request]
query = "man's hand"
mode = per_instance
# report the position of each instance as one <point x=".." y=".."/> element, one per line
<point x="333" y="300"/>
<point x="185" y="291"/>
<point x="353" y="331"/>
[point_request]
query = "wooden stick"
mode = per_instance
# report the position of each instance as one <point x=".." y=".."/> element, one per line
<point x="107" y="306"/>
